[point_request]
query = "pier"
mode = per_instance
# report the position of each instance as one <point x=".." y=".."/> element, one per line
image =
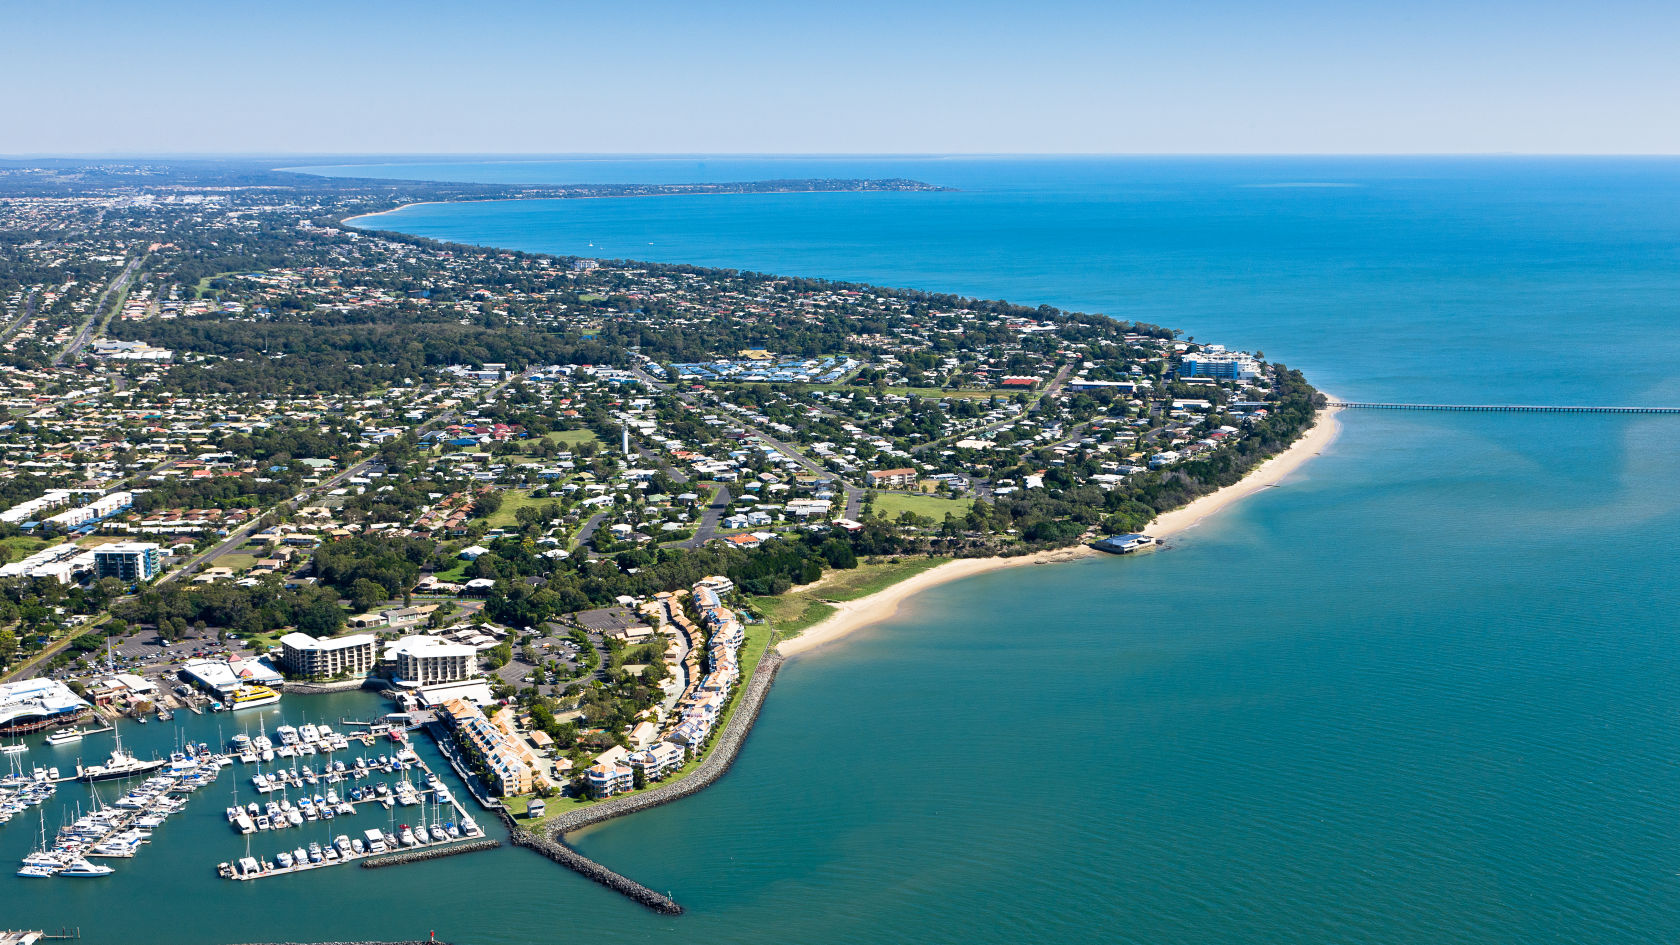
<point x="471" y="839"/>
<point x="1503" y="408"/>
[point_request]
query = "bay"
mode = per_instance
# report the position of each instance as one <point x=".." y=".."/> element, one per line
<point x="1425" y="691"/>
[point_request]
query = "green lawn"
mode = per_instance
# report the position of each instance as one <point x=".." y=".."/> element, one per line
<point x="889" y="504"/>
<point x="572" y="437"/>
<point x="238" y="561"/>
<point x="512" y="501"/>
<point x="801" y="607"/>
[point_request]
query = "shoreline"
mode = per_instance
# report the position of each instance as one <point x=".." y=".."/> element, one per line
<point x="351" y="221"/>
<point x="853" y="615"/>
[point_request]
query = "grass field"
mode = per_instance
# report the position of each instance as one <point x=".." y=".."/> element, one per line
<point x="23" y="546"/>
<point x="801" y="607"/>
<point x="889" y="504"/>
<point x="572" y="437"/>
<point x="512" y="501"/>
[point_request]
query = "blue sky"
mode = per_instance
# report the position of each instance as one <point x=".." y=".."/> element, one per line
<point x="695" y="77"/>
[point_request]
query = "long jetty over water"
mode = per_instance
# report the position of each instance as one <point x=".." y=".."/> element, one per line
<point x="1504" y="408"/>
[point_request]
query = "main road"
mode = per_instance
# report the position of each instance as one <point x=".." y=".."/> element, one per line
<point x="94" y="319"/>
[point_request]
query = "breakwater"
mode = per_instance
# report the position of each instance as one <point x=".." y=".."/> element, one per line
<point x="432" y="853"/>
<point x="577" y="862"/>
<point x="718" y="761"/>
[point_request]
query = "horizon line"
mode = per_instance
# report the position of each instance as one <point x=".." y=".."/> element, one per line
<point x="532" y="156"/>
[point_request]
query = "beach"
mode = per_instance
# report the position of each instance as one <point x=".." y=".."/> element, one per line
<point x="853" y="615"/>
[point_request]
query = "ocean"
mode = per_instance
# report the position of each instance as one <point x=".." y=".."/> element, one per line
<point x="1426" y="690"/>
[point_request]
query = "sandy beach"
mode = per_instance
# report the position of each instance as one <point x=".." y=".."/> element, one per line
<point x="855" y="614"/>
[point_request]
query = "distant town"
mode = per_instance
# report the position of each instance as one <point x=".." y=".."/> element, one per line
<point x="560" y="507"/>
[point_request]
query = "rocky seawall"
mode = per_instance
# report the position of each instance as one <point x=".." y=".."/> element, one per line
<point x="415" y="856"/>
<point x="573" y="860"/>
<point x="718" y="761"/>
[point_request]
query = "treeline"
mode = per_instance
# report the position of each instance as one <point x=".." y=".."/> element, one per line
<point x="246" y="610"/>
<point x="215" y="492"/>
<point x="323" y="352"/>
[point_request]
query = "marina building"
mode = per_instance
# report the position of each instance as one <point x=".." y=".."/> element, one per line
<point x="429" y="661"/>
<point x="30" y="705"/>
<point x="128" y="561"/>
<point x="223" y="678"/>
<point x="312" y="658"/>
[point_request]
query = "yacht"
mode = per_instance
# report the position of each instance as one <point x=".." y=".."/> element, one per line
<point x="81" y="867"/>
<point x="121" y="764"/>
<point x="65" y="736"/>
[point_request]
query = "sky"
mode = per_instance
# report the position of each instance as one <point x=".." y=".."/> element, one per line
<point x="1056" y="76"/>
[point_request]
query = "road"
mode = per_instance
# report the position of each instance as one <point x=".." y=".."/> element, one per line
<point x="1050" y="390"/>
<point x="23" y="319"/>
<point x="587" y="532"/>
<point x="853" y="494"/>
<point x="709" y="520"/>
<point x="94" y="317"/>
<point x="239" y="537"/>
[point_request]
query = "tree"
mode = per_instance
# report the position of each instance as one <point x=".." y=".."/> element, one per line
<point x="365" y="593"/>
<point x="8" y="646"/>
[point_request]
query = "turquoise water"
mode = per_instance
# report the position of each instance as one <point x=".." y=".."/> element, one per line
<point x="1428" y="690"/>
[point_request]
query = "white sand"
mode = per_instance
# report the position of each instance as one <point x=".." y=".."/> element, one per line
<point x="854" y="614"/>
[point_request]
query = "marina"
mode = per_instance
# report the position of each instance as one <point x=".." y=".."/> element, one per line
<point x="441" y="821"/>
<point x="304" y="782"/>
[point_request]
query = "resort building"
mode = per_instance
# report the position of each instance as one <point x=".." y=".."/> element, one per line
<point x="427" y="661"/>
<point x="509" y="767"/>
<point x="311" y="658"/>
<point x="656" y="761"/>
<point x="608" y="778"/>
<point x="1230" y="366"/>
<point x="128" y="561"/>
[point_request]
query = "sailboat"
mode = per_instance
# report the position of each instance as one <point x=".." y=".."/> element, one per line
<point x="43" y="862"/>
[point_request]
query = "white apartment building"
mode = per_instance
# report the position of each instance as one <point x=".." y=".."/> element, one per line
<point x="428" y="661"/>
<point x="312" y="658"/>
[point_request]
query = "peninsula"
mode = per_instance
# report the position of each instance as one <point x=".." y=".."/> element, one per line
<point x="570" y="512"/>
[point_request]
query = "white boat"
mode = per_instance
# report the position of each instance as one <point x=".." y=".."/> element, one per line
<point x="81" y="867"/>
<point x="65" y="736"/>
<point x="16" y="748"/>
<point x="121" y="764"/>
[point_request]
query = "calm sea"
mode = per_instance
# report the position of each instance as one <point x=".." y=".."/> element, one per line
<point x="1428" y="690"/>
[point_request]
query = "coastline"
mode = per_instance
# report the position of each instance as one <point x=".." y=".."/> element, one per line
<point x="850" y="616"/>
